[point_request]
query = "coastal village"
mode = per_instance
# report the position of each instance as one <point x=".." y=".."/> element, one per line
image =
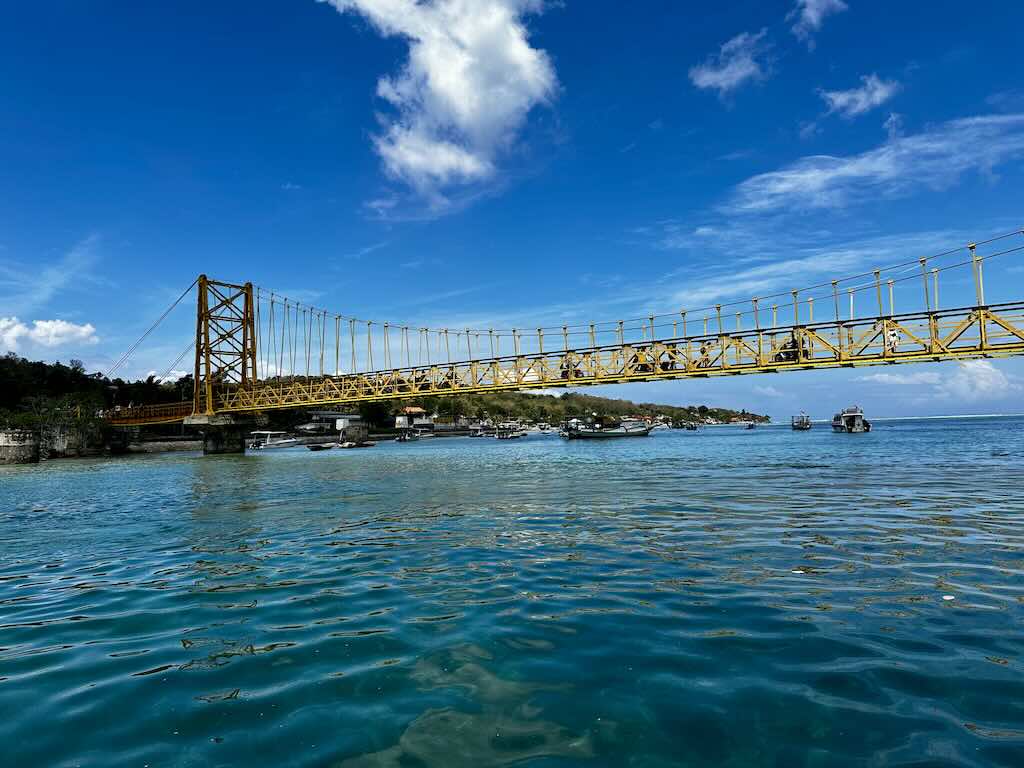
<point x="50" y="411"/>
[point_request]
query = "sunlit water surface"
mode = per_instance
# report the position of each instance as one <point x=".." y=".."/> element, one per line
<point x="721" y="598"/>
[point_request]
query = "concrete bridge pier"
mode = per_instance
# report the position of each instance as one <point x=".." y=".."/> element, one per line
<point x="222" y="433"/>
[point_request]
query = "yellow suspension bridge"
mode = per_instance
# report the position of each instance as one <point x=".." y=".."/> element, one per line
<point x="256" y="350"/>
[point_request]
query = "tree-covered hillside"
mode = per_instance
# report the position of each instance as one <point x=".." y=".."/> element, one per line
<point x="545" y="407"/>
<point x="33" y="391"/>
<point x="30" y="391"/>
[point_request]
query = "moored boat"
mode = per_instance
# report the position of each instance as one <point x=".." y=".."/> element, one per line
<point x="264" y="439"/>
<point x="801" y="422"/>
<point x="322" y="446"/>
<point x="850" y="420"/>
<point x="510" y="430"/>
<point x="598" y="429"/>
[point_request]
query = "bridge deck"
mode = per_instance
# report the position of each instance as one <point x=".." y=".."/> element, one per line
<point x="955" y="334"/>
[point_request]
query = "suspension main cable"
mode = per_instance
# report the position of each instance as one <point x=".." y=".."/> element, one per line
<point x="180" y="357"/>
<point x="131" y="350"/>
<point x="612" y="325"/>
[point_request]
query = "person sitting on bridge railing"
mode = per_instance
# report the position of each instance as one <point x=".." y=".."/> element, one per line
<point x="667" y="362"/>
<point x="704" y="361"/>
<point x="570" y="367"/>
<point x="639" y="361"/>
<point x="892" y="341"/>
<point x="791" y="350"/>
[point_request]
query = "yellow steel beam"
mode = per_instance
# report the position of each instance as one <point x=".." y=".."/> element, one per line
<point x="143" y="415"/>
<point x="924" y="337"/>
<point x="955" y="334"/>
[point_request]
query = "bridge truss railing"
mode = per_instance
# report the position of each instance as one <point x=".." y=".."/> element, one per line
<point x="257" y="350"/>
<point x="144" y="415"/>
<point x="296" y="339"/>
<point x="954" y="334"/>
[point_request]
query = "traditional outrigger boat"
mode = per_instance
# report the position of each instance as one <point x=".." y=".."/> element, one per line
<point x="598" y="429"/>
<point x="801" y="423"/>
<point x="510" y="430"/>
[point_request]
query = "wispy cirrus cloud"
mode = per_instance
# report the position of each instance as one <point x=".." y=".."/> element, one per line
<point x="768" y="391"/>
<point x="1006" y="101"/>
<point x="727" y="259"/>
<point x="741" y="60"/>
<point x="934" y="158"/>
<point x="872" y="92"/>
<point x="360" y="253"/>
<point x="786" y="263"/>
<point x="24" y="290"/>
<point x="469" y="82"/>
<point x="809" y="15"/>
<point x="914" y="379"/>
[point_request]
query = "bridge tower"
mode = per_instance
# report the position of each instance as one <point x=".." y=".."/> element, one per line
<point x="225" y="341"/>
<point x="225" y="361"/>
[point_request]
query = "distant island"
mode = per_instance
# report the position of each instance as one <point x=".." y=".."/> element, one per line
<point x="40" y="396"/>
<point x="536" y="407"/>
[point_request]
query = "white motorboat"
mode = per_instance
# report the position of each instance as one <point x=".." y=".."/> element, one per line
<point x="264" y="439"/>
<point x="850" y="420"/>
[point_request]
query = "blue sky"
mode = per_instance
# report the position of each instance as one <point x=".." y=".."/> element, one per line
<point x="504" y="162"/>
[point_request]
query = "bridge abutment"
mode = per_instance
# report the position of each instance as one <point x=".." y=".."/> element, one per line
<point x="222" y="433"/>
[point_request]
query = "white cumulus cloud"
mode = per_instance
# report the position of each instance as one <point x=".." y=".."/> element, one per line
<point x="170" y="378"/>
<point x="873" y="92"/>
<point x="972" y="381"/>
<point x="470" y="80"/>
<point x="976" y="380"/>
<point x="740" y="60"/>
<point x="934" y="158"/>
<point x="43" y="333"/>
<point x="809" y="15"/>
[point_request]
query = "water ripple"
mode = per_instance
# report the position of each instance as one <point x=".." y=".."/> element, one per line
<point x="718" y="599"/>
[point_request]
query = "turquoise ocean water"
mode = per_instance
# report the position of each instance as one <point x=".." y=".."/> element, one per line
<point x="721" y="598"/>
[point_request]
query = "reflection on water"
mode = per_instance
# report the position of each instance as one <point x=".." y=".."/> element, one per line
<point x="723" y="598"/>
